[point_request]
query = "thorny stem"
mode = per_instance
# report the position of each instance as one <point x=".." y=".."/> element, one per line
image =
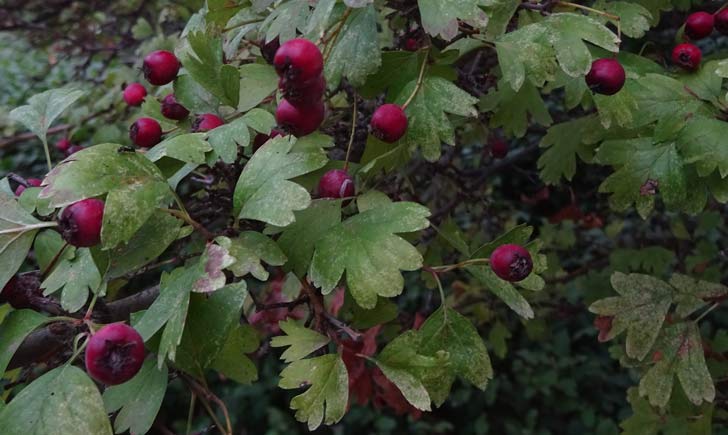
<point x="598" y="12"/>
<point x="353" y="132"/>
<point x="331" y="40"/>
<point x="420" y="79"/>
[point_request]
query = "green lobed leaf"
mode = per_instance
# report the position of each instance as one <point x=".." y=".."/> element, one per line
<point x="440" y="17"/>
<point x="427" y="113"/>
<point x="64" y="401"/>
<point x="249" y="249"/>
<point x="18" y="230"/>
<point x="264" y="192"/>
<point x="226" y="138"/>
<point x="137" y="400"/>
<point x="681" y="355"/>
<point x="231" y="360"/>
<point x="326" y="398"/>
<point x="640" y="310"/>
<point x="188" y="148"/>
<point x="193" y="96"/>
<point x="76" y="277"/>
<point x="702" y="141"/>
<point x="204" y="63"/>
<point x="301" y="341"/>
<point x="42" y="109"/>
<point x="366" y="247"/>
<point x="449" y="331"/>
<point x="514" y="111"/>
<point x="503" y="289"/>
<point x="299" y="239"/>
<point x="563" y="143"/>
<point x="257" y="81"/>
<point x="356" y="53"/>
<point x="13" y="330"/>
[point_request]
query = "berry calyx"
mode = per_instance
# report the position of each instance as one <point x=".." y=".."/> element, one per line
<point x="206" y="122"/>
<point x="73" y="149"/>
<point x="511" y="262"/>
<point x="687" y="56"/>
<point x="301" y="120"/>
<point x="32" y="182"/>
<point x="261" y="138"/>
<point x="114" y="354"/>
<point x="699" y="25"/>
<point x="268" y="49"/>
<point x="498" y="148"/>
<point x="145" y="132"/>
<point x="63" y="145"/>
<point x="134" y="94"/>
<point x="304" y="95"/>
<point x="80" y="223"/>
<point x="160" y="67"/>
<point x="299" y="60"/>
<point x="721" y="21"/>
<point x="389" y="123"/>
<point x="606" y="76"/>
<point x="336" y="183"/>
<point x="171" y="109"/>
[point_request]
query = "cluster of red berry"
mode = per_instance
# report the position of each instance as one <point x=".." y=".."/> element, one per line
<point x="698" y="25"/>
<point x="160" y="68"/>
<point x="300" y="66"/>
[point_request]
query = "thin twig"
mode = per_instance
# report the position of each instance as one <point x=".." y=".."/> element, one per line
<point x="420" y="79"/>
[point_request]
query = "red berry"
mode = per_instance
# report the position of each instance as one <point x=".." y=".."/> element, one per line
<point x="268" y="50"/>
<point x="302" y="120"/>
<point x="262" y="138"/>
<point x="134" y="94"/>
<point x="411" y="44"/>
<point x="206" y="122"/>
<point x="299" y="60"/>
<point x="114" y="354"/>
<point x="606" y="76"/>
<point x="172" y="109"/>
<point x="699" y="25"/>
<point x="498" y="148"/>
<point x="73" y="149"/>
<point x="687" y="56"/>
<point x="335" y="184"/>
<point x="63" y="145"/>
<point x="160" y="67"/>
<point x="511" y="262"/>
<point x="145" y="132"/>
<point x="306" y="95"/>
<point x="389" y="123"/>
<point x="721" y="21"/>
<point x="32" y="182"/>
<point x="80" y="222"/>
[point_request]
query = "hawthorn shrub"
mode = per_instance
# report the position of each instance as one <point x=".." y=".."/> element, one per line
<point x="399" y="200"/>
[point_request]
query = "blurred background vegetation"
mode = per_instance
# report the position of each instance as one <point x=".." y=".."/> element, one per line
<point x="551" y="375"/>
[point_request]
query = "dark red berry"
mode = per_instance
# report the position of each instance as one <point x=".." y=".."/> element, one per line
<point x="32" y="182"/>
<point x="160" y="67"/>
<point x="389" y="123"/>
<point x="114" y="354"/>
<point x="511" y="262"/>
<point x="268" y="49"/>
<point x="606" y="76"/>
<point x="63" y="145"/>
<point x="206" y="122"/>
<point x="687" y="56"/>
<point x="302" y="120"/>
<point x="73" y="149"/>
<point x="411" y="44"/>
<point x="134" y="94"/>
<point x="306" y="95"/>
<point x="80" y="223"/>
<point x="172" y="109"/>
<point x="335" y="184"/>
<point x="498" y="148"/>
<point x="721" y="21"/>
<point x="299" y="60"/>
<point x="699" y="25"/>
<point x="145" y="132"/>
<point x="262" y="138"/>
